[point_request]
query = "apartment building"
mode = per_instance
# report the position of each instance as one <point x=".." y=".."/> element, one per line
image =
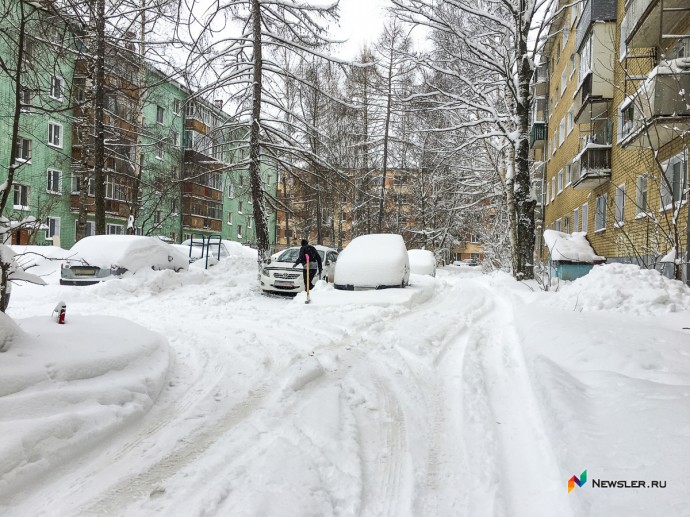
<point x="171" y="159"/>
<point x="613" y="153"/>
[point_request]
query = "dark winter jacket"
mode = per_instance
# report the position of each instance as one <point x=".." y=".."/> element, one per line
<point x="314" y="257"/>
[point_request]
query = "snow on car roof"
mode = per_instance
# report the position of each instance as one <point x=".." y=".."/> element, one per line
<point x="131" y="252"/>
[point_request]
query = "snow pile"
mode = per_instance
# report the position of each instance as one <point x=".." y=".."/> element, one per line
<point x="9" y="332"/>
<point x="63" y="387"/>
<point x="570" y="247"/>
<point x="422" y="262"/>
<point x="624" y="288"/>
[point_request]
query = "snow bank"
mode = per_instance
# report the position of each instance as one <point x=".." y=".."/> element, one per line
<point x="63" y="387"/>
<point x="624" y="288"/>
<point x="570" y="247"/>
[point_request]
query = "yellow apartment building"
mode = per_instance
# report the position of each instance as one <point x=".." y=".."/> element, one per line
<point x="616" y="141"/>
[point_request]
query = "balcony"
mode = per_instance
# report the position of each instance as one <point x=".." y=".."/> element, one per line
<point x="593" y="98"/>
<point x="594" y="11"/>
<point x="592" y="167"/>
<point x="537" y="135"/>
<point x="647" y="22"/>
<point x="540" y="81"/>
<point x="660" y="110"/>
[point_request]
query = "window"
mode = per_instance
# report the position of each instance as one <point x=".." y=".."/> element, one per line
<point x="56" y="87"/>
<point x="474" y="238"/>
<point x="641" y="195"/>
<point x="620" y="205"/>
<point x="561" y="132"/>
<point x="571" y="121"/>
<point x="576" y="219"/>
<point x="21" y="197"/>
<point x="159" y="114"/>
<point x="239" y="231"/>
<point x="558" y="224"/>
<point x="90" y="228"/>
<point x="239" y="207"/>
<point x="77" y="183"/>
<point x="674" y="182"/>
<point x="23" y="150"/>
<point x="229" y="218"/>
<point x="79" y="89"/>
<point x="54" y="184"/>
<point x="585" y="217"/>
<point x="572" y="65"/>
<point x="53" y="230"/>
<point x="566" y="224"/>
<point x="174" y="206"/>
<point x="568" y="174"/>
<point x="585" y="59"/>
<point x="55" y="134"/>
<point x="560" y="181"/>
<point x="114" y="229"/>
<point x="26" y="95"/>
<point x="249" y="223"/>
<point x="159" y="150"/>
<point x="564" y="81"/>
<point x="176" y="138"/>
<point x="177" y="106"/>
<point x="241" y="180"/>
<point x="553" y="188"/>
<point x="626" y="119"/>
<point x="157" y="216"/>
<point x="231" y="190"/>
<point x="600" y="213"/>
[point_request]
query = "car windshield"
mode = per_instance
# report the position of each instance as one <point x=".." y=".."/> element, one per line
<point x="291" y="254"/>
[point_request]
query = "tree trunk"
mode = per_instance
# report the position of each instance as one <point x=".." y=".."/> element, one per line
<point x="12" y="167"/>
<point x="138" y="165"/>
<point x="524" y="205"/>
<point x="99" y="99"/>
<point x="389" y="95"/>
<point x="260" y="220"/>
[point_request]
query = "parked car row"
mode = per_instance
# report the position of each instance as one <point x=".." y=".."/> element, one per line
<point x="374" y="261"/>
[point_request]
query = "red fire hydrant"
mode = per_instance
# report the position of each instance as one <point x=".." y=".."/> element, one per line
<point x="61" y="309"/>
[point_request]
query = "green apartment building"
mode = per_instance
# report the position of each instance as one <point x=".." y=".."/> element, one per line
<point x="172" y="161"/>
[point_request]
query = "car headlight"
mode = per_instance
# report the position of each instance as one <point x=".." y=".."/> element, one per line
<point x="264" y="272"/>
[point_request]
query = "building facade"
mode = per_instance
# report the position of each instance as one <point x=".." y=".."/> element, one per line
<point x="172" y="159"/>
<point x="614" y="143"/>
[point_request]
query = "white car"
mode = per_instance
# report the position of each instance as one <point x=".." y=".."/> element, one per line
<point x="279" y="276"/>
<point x="102" y="257"/>
<point x="422" y="262"/>
<point x="373" y="261"/>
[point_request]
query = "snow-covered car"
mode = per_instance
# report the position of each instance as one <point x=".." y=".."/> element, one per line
<point x="103" y="257"/>
<point x="279" y="276"/>
<point x="373" y="261"/>
<point x="422" y="262"/>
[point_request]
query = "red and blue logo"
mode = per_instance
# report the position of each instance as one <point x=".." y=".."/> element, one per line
<point x="577" y="481"/>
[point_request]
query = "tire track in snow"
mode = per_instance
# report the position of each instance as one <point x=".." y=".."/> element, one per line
<point x="519" y="464"/>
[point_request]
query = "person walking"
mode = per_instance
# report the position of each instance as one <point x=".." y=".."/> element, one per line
<point x="314" y="263"/>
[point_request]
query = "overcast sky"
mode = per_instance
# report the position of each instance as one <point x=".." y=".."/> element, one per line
<point x="360" y="21"/>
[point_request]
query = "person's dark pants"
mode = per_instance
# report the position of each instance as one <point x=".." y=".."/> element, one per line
<point x="313" y="273"/>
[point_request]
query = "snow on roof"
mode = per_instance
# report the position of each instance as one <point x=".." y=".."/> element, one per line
<point x="565" y="247"/>
<point x="624" y="288"/>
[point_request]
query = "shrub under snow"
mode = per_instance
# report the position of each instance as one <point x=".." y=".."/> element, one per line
<point x="625" y="288"/>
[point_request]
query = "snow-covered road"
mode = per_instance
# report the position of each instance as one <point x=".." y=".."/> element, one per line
<point x="415" y="402"/>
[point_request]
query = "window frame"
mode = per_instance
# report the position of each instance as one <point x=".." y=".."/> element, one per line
<point x="641" y="203"/>
<point x="50" y="179"/>
<point x="22" y="197"/>
<point x="55" y="230"/>
<point x="600" y="212"/>
<point x="619" y="214"/>
<point x="52" y="126"/>
<point x="57" y="83"/>
<point x="585" y="218"/>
